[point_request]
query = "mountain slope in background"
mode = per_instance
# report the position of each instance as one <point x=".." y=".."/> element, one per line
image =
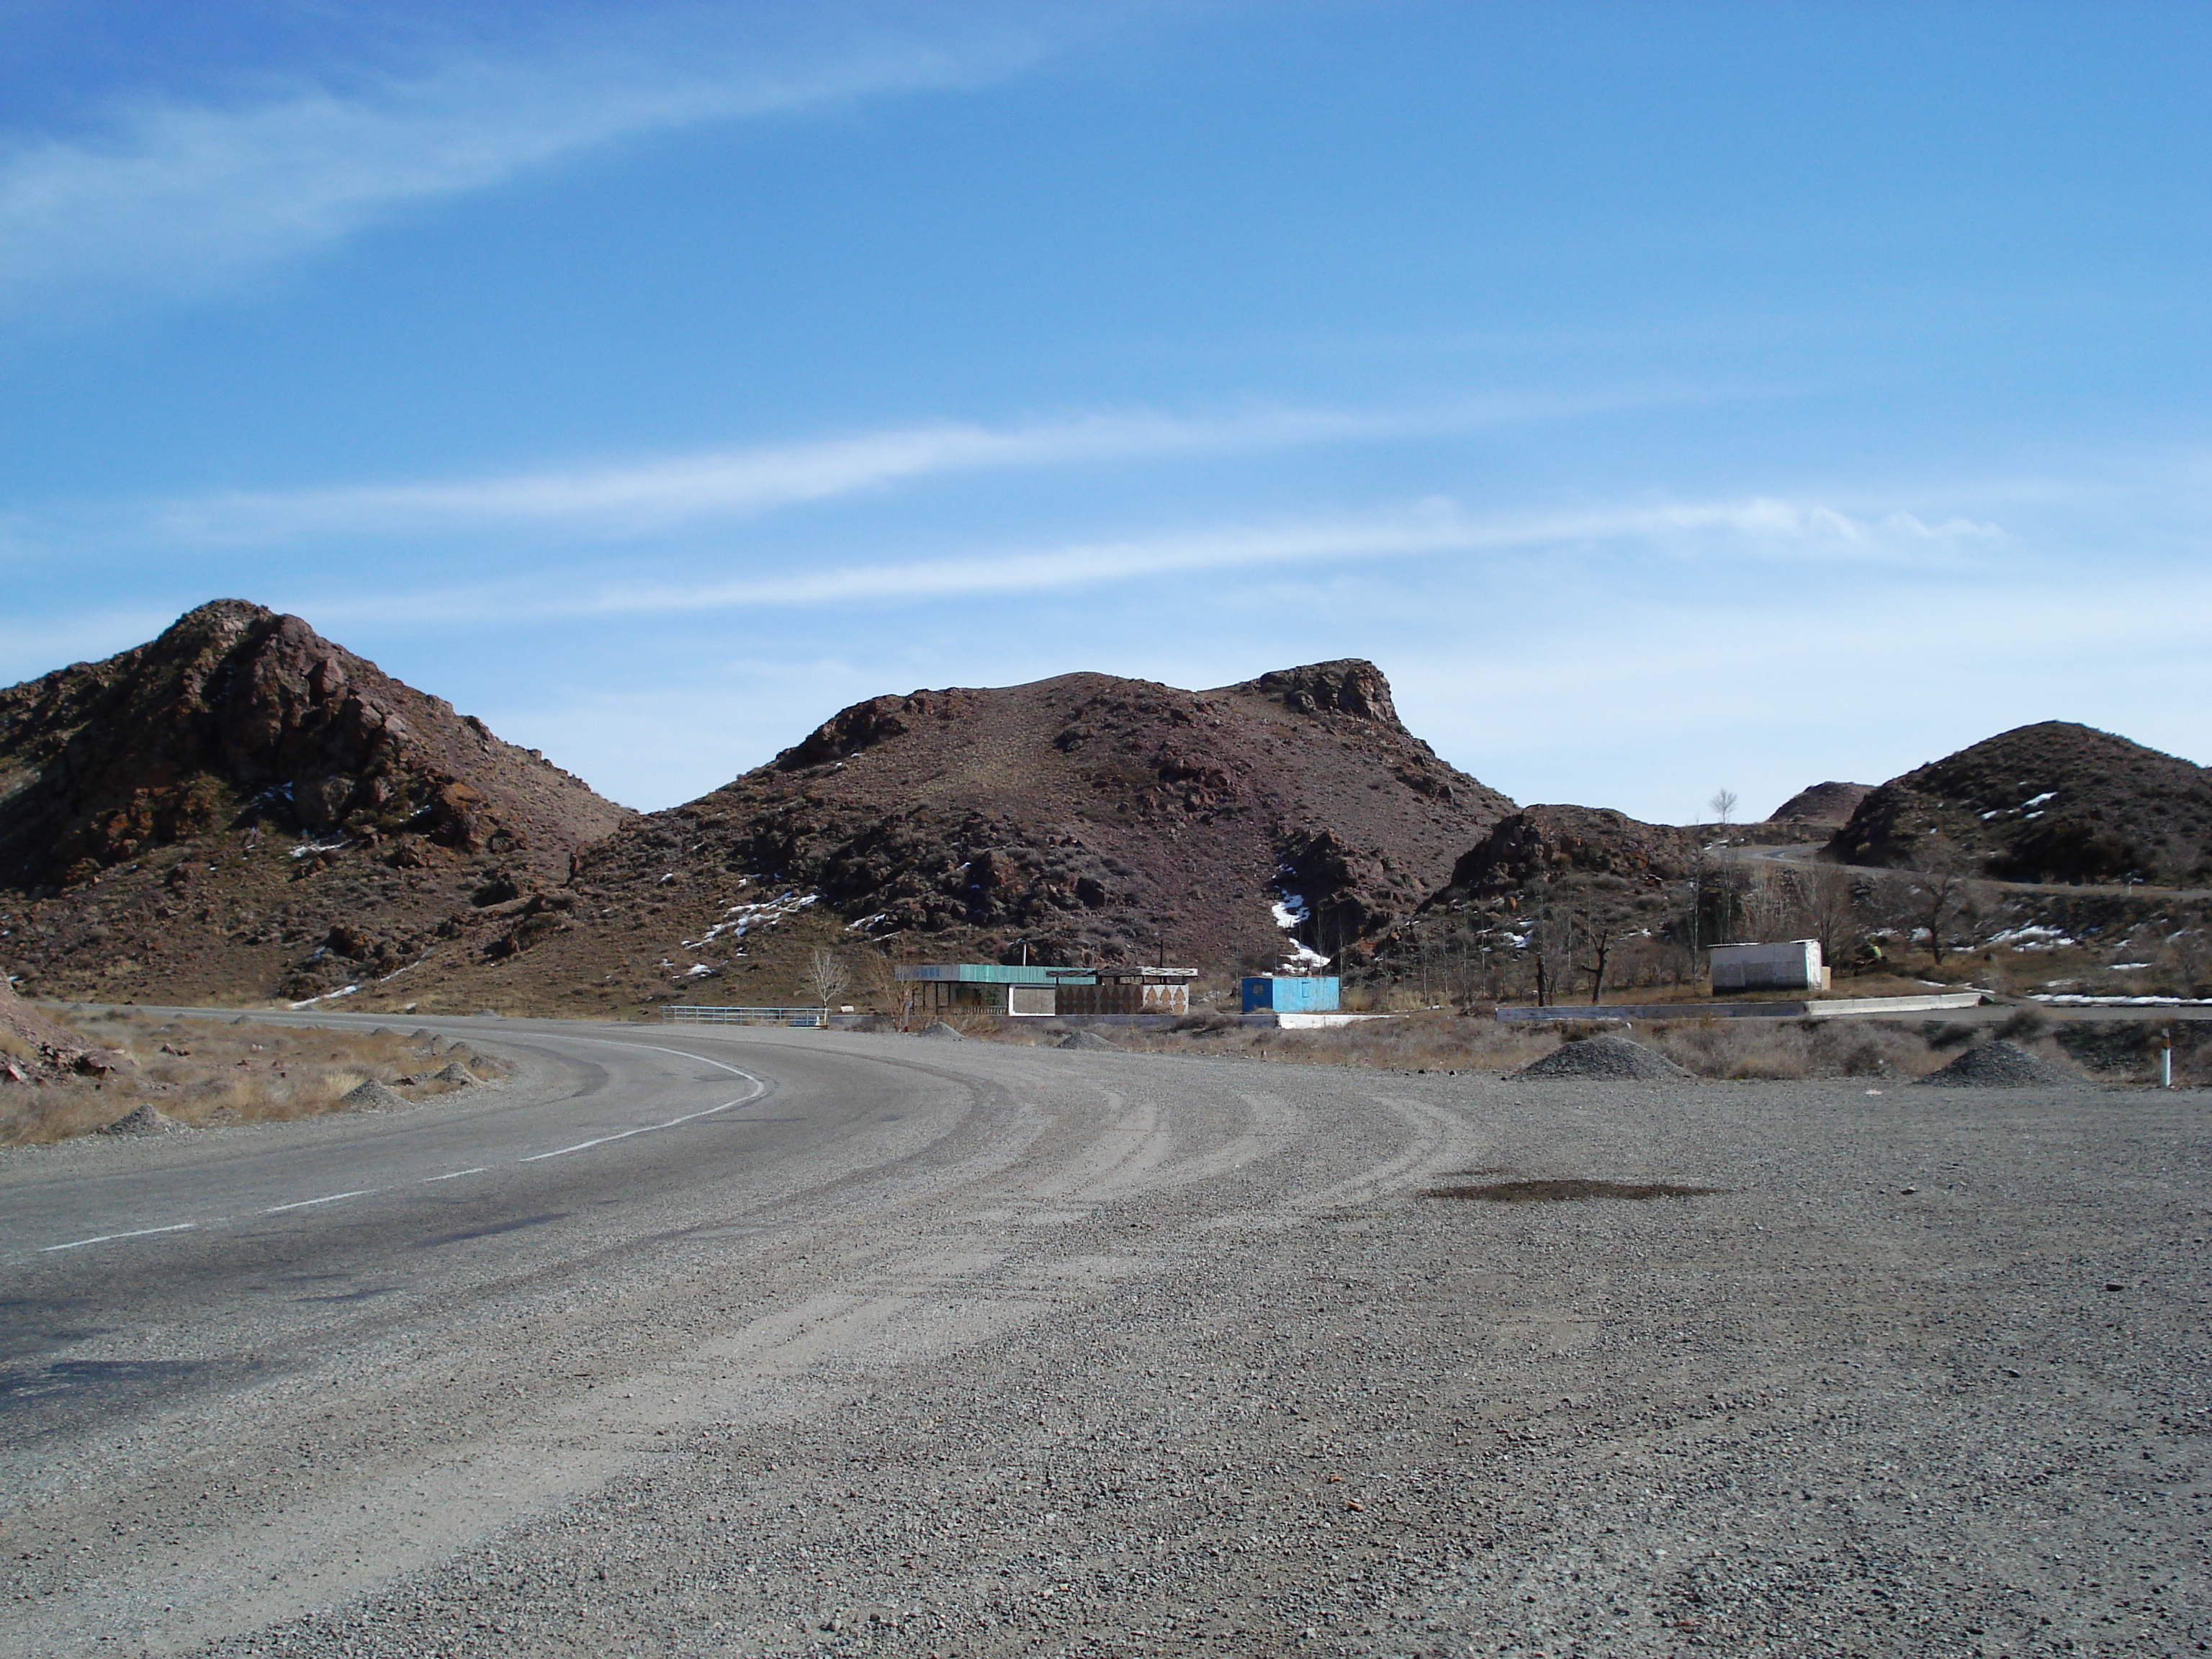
<point x="2052" y="802"/>
<point x="241" y="809"/>
<point x="1085" y="819"/>
<point x="1824" y="804"/>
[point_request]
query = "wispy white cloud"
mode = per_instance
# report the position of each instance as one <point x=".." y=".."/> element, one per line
<point x="184" y="198"/>
<point x="1760" y="527"/>
<point x="644" y="496"/>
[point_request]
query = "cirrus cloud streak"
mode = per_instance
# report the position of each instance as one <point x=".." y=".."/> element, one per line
<point x="1761" y="528"/>
<point x="183" y="199"/>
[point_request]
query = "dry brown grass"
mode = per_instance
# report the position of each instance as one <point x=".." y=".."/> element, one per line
<point x="204" y="1072"/>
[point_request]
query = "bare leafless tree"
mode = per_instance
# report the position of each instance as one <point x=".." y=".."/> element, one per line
<point x="1600" y="951"/>
<point x="827" y="977"/>
<point x="1723" y="805"/>
<point x="1938" y="897"/>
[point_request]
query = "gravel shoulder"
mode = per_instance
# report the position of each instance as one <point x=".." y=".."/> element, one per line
<point x="1095" y="1354"/>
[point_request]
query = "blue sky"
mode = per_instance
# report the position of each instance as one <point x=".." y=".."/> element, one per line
<point x="1668" y="398"/>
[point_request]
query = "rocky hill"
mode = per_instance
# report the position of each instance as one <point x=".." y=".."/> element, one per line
<point x="2052" y="802"/>
<point x="241" y="810"/>
<point x="1086" y="819"/>
<point x="1823" y="804"/>
<point x="1545" y="883"/>
<point x="1543" y="845"/>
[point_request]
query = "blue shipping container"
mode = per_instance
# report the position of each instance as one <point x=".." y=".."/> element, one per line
<point x="1291" y="995"/>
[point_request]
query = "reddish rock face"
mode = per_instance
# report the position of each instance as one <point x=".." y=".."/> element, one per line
<point x="237" y="714"/>
<point x="1089" y="818"/>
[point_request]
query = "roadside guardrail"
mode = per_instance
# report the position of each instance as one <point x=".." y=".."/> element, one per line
<point x="676" y="1014"/>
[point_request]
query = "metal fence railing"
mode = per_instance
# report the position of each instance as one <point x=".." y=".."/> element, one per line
<point x="674" y="1014"/>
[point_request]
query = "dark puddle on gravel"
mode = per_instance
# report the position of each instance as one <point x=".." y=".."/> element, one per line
<point x="1561" y="1191"/>
<point x="111" y="1382"/>
<point x="498" y="1227"/>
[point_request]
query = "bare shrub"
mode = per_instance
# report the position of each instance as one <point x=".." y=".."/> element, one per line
<point x="1741" y="1049"/>
<point x="1859" y="1047"/>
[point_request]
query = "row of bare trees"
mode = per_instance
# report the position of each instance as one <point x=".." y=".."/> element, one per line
<point x="1571" y="946"/>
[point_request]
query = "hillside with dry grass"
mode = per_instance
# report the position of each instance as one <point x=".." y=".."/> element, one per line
<point x="158" y="1075"/>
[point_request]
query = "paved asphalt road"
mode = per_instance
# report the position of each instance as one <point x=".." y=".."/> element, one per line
<point x="787" y="1342"/>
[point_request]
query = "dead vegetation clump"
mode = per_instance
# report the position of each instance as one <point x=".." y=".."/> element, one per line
<point x="203" y="1073"/>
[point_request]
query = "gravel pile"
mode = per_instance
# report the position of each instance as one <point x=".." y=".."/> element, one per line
<point x="455" y="1071"/>
<point x="1610" y="1057"/>
<point x="942" y="1032"/>
<point x="373" y="1097"/>
<point x="2000" y="1065"/>
<point x="1087" y="1040"/>
<point x="148" y="1119"/>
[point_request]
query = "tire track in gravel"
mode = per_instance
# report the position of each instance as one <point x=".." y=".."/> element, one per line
<point x="808" y="1351"/>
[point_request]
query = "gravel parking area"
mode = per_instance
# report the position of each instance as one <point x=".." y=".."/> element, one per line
<point x="1196" y="1361"/>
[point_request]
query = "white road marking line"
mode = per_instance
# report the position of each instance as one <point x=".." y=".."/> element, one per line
<point x="329" y="1198"/>
<point x="643" y="1129"/>
<point x="759" y="1089"/>
<point x="79" y="1244"/>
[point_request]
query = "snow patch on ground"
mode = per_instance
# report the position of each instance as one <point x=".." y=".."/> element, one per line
<point x="2072" y="1001"/>
<point x="327" y="996"/>
<point x="741" y="919"/>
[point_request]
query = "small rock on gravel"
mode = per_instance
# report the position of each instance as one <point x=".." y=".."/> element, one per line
<point x="373" y="1097"/>
<point x="1086" y="1040"/>
<point x="942" y="1032"/>
<point x="1999" y="1065"/>
<point x="148" y="1119"/>
<point x="1604" y="1057"/>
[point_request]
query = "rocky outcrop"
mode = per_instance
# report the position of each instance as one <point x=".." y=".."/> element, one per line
<point x="238" y="715"/>
<point x="1348" y="686"/>
<point x="241" y="809"/>
<point x="1541" y="844"/>
<point x="36" y="1049"/>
